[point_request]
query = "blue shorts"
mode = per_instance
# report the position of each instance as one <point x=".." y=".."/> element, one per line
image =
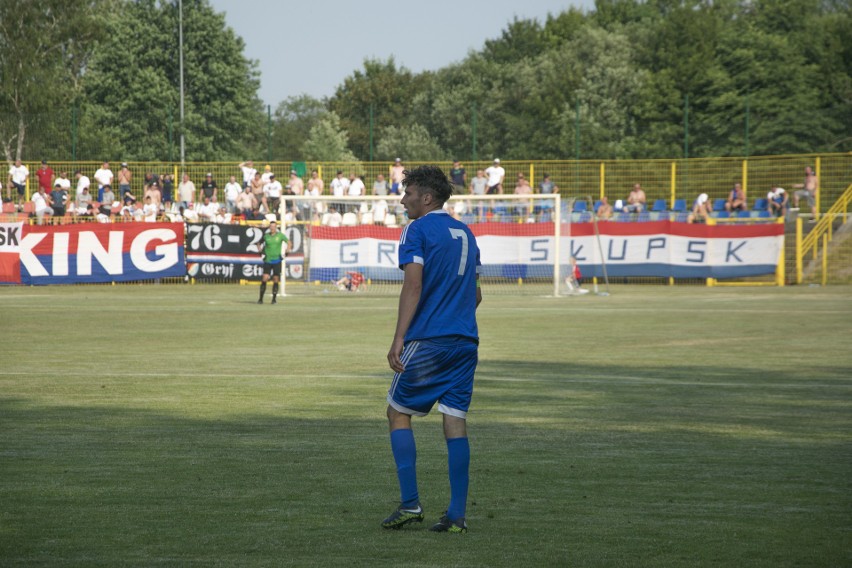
<point x="436" y="370"/>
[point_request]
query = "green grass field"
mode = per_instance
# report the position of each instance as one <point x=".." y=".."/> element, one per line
<point x="186" y="425"/>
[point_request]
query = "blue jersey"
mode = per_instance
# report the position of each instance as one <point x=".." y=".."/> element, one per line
<point x="447" y="250"/>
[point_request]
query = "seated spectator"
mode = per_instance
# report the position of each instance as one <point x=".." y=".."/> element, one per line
<point x="208" y="211"/>
<point x="701" y="209"/>
<point x="106" y="202"/>
<point x="333" y="218"/>
<point x="350" y="281"/>
<point x="604" y="210"/>
<point x="736" y="200"/>
<point x="42" y="203"/>
<point x="776" y="201"/>
<point x="59" y="196"/>
<point x="380" y="186"/>
<point x="636" y="200"/>
<point x="150" y="210"/>
<point x="189" y="213"/>
<point x="83" y="203"/>
<point x="547" y="187"/>
<point x="246" y="202"/>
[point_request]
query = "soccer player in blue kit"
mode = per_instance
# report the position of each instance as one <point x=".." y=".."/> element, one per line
<point x="434" y="349"/>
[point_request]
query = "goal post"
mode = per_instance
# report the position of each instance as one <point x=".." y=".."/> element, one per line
<point x="355" y="239"/>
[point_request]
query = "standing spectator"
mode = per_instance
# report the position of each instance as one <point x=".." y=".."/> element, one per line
<point x="496" y="174"/>
<point x="776" y="201"/>
<point x="107" y="201"/>
<point x="167" y="191"/>
<point x="356" y="189"/>
<point x="635" y="200"/>
<point x="232" y="191"/>
<point x="186" y="192"/>
<point x="209" y="188"/>
<point x="396" y="175"/>
<point x="82" y="181"/>
<point x="272" y="191"/>
<point x="273" y="259"/>
<point x="42" y="203"/>
<point x="248" y="171"/>
<point x="808" y="189"/>
<point x="59" y="197"/>
<point x="302" y="209"/>
<point x="479" y="186"/>
<point x="458" y="177"/>
<point x="316" y="188"/>
<point x="267" y="171"/>
<point x="64" y="182"/>
<point x="124" y="178"/>
<point x="257" y="186"/>
<point x="522" y="187"/>
<point x="380" y="186"/>
<point x="701" y="209"/>
<point x="736" y="200"/>
<point x="150" y="210"/>
<point x="154" y="193"/>
<point x="339" y="187"/>
<point x="45" y="177"/>
<point x="434" y="349"/>
<point x="297" y="186"/>
<point x="104" y="177"/>
<point x="18" y="175"/>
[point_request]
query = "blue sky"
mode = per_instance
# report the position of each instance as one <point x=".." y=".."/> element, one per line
<point x="310" y="46"/>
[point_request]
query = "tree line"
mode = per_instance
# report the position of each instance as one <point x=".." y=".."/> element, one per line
<point x="628" y="79"/>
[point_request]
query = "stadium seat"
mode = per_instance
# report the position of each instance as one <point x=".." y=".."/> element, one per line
<point x="760" y="204"/>
<point x="643" y="217"/>
<point x="719" y="204"/>
<point x="29" y="207"/>
<point x="624" y="217"/>
<point x="597" y="204"/>
<point x="764" y="214"/>
<point x="580" y="207"/>
<point x="326" y="217"/>
<point x="367" y="218"/>
<point x="679" y="205"/>
<point x="390" y="220"/>
<point x="721" y="214"/>
<point x="682" y="217"/>
<point x="744" y="214"/>
<point x="659" y="205"/>
<point x="9" y="208"/>
<point x="585" y="217"/>
<point x="349" y="219"/>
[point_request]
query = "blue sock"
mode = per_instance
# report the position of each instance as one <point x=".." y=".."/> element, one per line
<point x="458" y="460"/>
<point x="405" y="456"/>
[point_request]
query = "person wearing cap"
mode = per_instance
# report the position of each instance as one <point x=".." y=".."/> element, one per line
<point x="59" y="195"/>
<point x="701" y="209"/>
<point x="397" y="172"/>
<point x="45" y="176"/>
<point x="209" y="188"/>
<point x="272" y="191"/>
<point x="496" y="174"/>
<point x="272" y="253"/>
<point x="267" y="171"/>
<point x="104" y="177"/>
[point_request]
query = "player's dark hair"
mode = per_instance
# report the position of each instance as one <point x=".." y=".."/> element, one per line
<point x="430" y="179"/>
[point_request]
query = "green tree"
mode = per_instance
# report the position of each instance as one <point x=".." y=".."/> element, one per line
<point x="413" y="142"/>
<point x="327" y="141"/>
<point x="45" y="46"/>
<point x="292" y="124"/>
<point x="132" y="88"/>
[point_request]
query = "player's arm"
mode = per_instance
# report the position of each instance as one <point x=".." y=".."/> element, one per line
<point x="412" y="284"/>
<point x="478" y="292"/>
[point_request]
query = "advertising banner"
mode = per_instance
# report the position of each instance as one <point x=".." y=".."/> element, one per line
<point x="90" y="253"/>
<point x="512" y="250"/>
<point x="232" y="252"/>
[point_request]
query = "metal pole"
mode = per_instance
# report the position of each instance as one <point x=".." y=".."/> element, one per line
<point x="74" y="132"/>
<point x="180" y="49"/>
<point x="686" y="143"/>
<point x="747" y="115"/>
<point x="171" y="133"/>
<point x="371" y="132"/>
<point x="473" y="131"/>
<point x="268" y="133"/>
<point x="577" y="147"/>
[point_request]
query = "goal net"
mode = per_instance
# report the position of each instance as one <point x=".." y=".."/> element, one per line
<point x="350" y="243"/>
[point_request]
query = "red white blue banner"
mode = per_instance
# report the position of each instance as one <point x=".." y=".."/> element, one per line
<point x="511" y="250"/>
<point x="90" y="253"/>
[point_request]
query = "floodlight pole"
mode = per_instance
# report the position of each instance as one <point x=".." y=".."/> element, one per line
<point x="180" y="49"/>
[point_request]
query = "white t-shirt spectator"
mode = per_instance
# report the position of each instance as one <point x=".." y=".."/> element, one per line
<point x="150" y="212"/>
<point x="248" y="174"/>
<point x="339" y="186"/>
<point x="64" y="183"/>
<point x="19" y="174"/>
<point x="232" y="191"/>
<point x="208" y="212"/>
<point x="103" y="177"/>
<point x="273" y="189"/>
<point x="357" y="187"/>
<point x="81" y="183"/>
<point x="40" y="202"/>
<point x="495" y="175"/>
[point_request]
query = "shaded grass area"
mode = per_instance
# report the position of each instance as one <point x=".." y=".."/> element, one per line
<point x="187" y="426"/>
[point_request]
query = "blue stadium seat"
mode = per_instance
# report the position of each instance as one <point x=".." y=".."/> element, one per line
<point x="719" y="204"/>
<point x="468" y="218"/>
<point x="659" y="205"/>
<point x="580" y="206"/>
<point x="721" y="214"/>
<point x="764" y="214"/>
<point x="679" y="205"/>
<point x="585" y="217"/>
<point x="643" y="217"/>
<point x="744" y="214"/>
<point x="760" y="204"/>
<point x="598" y="204"/>
<point x="624" y="217"/>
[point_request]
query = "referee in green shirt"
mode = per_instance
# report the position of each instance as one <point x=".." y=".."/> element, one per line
<point x="273" y="259"/>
